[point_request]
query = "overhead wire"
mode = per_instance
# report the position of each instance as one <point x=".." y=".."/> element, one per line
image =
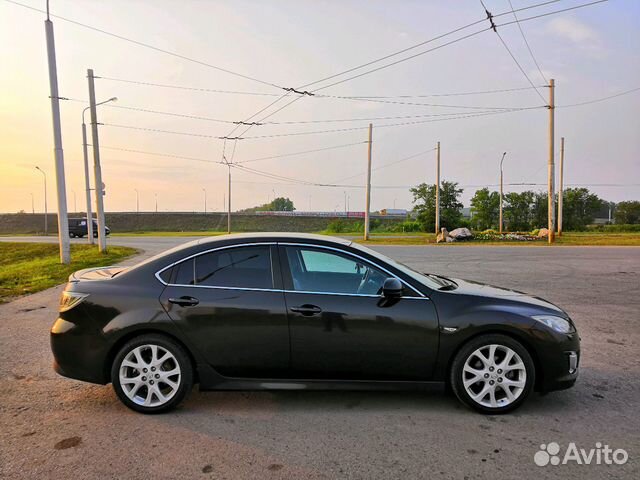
<point x="149" y="46"/>
<point x="526" y="42"/>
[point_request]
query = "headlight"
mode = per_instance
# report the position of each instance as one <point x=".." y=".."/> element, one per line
<point x="68" y="300"/>
<point x="558" y="324"/>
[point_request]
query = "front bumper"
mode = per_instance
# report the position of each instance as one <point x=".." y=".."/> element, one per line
<point x="559" y="359"/>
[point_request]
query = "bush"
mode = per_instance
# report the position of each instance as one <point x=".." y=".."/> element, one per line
<point x="342" y="226"/>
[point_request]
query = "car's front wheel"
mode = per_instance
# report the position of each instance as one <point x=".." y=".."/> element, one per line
<point x="152" y="374"/>
<point x="493" y="374"/>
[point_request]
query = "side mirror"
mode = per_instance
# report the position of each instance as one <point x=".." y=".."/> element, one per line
<point x="392" y="288"/>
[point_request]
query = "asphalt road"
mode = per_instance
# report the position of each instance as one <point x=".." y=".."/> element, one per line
<point x="58" y="428"/>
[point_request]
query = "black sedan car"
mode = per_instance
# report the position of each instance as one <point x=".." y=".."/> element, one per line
<point x="293" y="311"/>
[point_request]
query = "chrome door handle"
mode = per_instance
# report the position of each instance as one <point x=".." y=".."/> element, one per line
<point x="306" y="309"/>
<point x="185" y="301"/>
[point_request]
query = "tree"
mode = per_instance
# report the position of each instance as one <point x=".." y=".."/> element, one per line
<point x="517" y="212"/>
<point x="627" y="212"/>
<point x="281" y="204"/>
<point x="485" y="209"/>
<point x="424" y="199"/>
<point x="540" y="210"/>
<point x="579" y="208"/>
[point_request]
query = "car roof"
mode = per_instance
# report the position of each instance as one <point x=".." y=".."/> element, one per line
<point x="273" y="237"/>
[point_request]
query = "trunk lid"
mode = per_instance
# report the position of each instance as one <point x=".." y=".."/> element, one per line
<point x="93" y="274"/>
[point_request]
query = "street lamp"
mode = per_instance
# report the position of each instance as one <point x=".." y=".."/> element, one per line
<point x="137" y="201"/>
<point x="75" y="205"/>
<point x="45" y="199"/>
<point x="501" y="160"/>
<point x="33" y="208"/>
<point x="156" y="195"/>
<point x="87" y="184"/>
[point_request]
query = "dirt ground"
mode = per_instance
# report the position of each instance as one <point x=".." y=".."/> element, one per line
<point x="51" y="427"/>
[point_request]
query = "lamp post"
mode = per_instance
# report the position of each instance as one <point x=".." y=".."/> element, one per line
<point x="75" y="205"/>
<point x="501" y="160"/>
<point x="87" y="183"/>
<point x="44" y="175"/>
<point x="33" y="208"/>
<point x="137" y="201"/>
<point x="156" y="195"/>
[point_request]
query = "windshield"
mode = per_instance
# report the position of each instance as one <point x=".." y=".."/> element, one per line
<point x="434" y="282"/>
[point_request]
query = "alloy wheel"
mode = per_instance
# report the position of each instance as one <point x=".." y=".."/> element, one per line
<point x="494" y="376"/>
<point x="150" y="375"/>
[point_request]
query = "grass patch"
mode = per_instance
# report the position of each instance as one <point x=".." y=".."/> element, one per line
<point x="568" y="239"/>
<point x="31" y="267"/>
<point x="168" y="234"/>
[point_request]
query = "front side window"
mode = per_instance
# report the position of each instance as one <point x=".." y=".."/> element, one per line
<point x="317" y="270"/>
<point x="241" y="267"/>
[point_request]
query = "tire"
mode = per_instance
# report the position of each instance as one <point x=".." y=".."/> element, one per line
<point x="95" y="234"/>
<point x="72" y="235"/>
<point x="142" y="379"/>
<point x="480" y="383"/>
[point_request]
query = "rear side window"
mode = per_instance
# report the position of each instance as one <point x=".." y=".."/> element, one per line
<point x="242" y="267"/>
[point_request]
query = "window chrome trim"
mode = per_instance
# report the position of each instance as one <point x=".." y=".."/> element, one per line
<point x="366" y="260"/>
<point x="312" y="245"/>
<point x="224" y="247"/>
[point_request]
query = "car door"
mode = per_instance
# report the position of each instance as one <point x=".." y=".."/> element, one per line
<point x="230" y="304"/>
<point x="342" y="328"/>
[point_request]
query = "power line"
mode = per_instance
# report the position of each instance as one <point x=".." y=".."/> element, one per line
<point x="350" y="97"/>
<point x="317" y="132"/>
<point x="159" y="154"/>
<point x="494" y="28"/>
<point x="526" y="42"/>
<point x="526" y="19"/>
<point x="410" y="157"/>
<point x="302" y="153"/>
<point x="413" y="47"/>
<point x="588" y="102"/>
<point x="182" y="87"/>
<point x="151" y="47"/>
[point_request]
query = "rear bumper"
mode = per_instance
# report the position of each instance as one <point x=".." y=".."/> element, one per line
<point x="78" y="355"/>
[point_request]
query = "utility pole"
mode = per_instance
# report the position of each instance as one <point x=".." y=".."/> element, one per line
<point x="97" y="169"/>
<point x="438" y="188"/>
<point x="87" y="183"/>
<point x="46" y="213"/>
<point x="33" y="206"/>
<point x="63" y="222"/>
<point x="205" y="200"/>
<point x="503" y="155"/>
<point x="551" y="180"/>
<point x="561" y="187"/>
<point x="229" y="200"/>
<point x="137" y="201"/>
<point x="156" y="196"/>
<point x="368" y="189"/>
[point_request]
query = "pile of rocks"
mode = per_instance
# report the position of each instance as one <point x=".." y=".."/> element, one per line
<point x="454" y="235"/>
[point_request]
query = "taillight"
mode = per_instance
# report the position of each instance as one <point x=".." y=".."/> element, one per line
<point x="68" y="300"/>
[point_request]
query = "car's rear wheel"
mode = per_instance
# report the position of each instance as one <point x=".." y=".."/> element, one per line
<point x="493" y="374"/>
<point x="152" y="374"/>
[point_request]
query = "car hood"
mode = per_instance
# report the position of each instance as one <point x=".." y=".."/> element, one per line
<point x="477" y="289"/>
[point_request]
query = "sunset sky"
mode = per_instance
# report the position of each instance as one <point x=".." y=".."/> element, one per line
<point x="592" y="52"/>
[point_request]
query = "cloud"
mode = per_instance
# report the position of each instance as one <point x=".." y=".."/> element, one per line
<point x="580" y="36"/>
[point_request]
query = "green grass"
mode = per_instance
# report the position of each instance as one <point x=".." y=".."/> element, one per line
<point x="198" y="233"/>
<point x="567" y="238"/>
<point x="31" y="267"/>
<point x="595" y="238"/>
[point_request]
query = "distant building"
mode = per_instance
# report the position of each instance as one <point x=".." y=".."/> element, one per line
<point x="396" y="212"/>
